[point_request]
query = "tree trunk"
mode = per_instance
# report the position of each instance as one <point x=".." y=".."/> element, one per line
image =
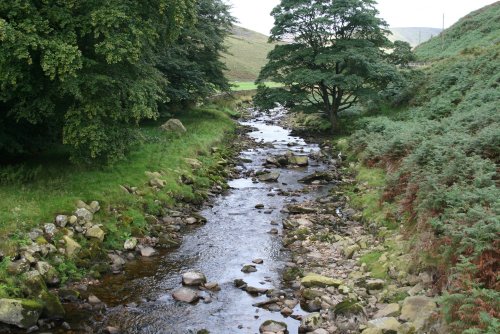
<point x="334" y="121"/>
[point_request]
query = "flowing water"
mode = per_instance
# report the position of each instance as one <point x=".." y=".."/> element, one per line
<point x="140" y="300"/>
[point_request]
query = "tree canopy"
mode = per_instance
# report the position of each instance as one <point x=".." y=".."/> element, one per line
<point x="333" y="56"/>
<point x="84" y="73"/>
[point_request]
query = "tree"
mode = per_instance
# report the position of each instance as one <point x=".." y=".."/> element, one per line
<point x="83" y="73"/>
<point x="402" y="54"/>
<point x="193" y="64"/>
<point x="334" y="55"/>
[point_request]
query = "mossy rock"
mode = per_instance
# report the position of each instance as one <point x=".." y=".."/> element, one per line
<point x="348" y="306"/>
<point x="315" y="280"/>
<point x="23" y="313"/>
<point x="33" y="284"/>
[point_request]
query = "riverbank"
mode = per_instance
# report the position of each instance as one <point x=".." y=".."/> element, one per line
<point x="63" y="223"/>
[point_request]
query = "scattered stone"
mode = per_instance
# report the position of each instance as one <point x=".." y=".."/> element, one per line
<point x="194" y="278"/>
<point x="50" y="229"/>
<point x="272" y="326"/>
<point x="387" y="325"/>
<point x="191" y="221"/>
<point x="72" y="247"/>
<point x="20" y="313"/>
<point x="95" y="232"/>
<point x="249" y="268"/>
<point x="112" y="330"/>
<point x="49" y="273"/>
<point x="269" y="177"/>
<point x="375" y="284"/>
<point x="174" y="125"/>
<point x="390" y="310"/>
<point x="258" y="261"/>
<point x="94" y="206"/>
<point x="130" y="244"/>
<point x="239" y="283"/>
<point x="347" y="307"/>
<point x="298" y="209"/>
<point x="299" y="160"/>
<point x="315" y="280"/>
<point x="213" y="286"/>
<point x="158" y="183"/>
<point x="61" y="220"/>
<point x="18" y="267"/>
<point x="318" y="176"/>
<point x="310" y="322"/>
<point x="349" y="251"/>
<point x="94" y="300"/>
<point x="186" y="295"/>
<point x="259" y="206"/>
<point x="418" y="310"/>
<point x="255" y="291"/>
<point x="147" y="251"/>
<point x="84" y="214"/>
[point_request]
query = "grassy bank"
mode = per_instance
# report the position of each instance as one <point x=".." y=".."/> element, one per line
<point x="34" y="193"/>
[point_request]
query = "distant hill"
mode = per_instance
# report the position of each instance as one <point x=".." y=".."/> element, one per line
<point x="247" y="54"/>
<point x="413" y="35"/>
<point x="479" y="29"/>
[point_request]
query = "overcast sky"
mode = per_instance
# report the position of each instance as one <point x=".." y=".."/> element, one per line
<point x="254" y="14"/>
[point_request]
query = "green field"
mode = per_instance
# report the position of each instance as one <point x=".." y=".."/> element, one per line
<point x="249" y="85"/>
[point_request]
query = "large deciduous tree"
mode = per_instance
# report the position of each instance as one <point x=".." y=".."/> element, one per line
<point x="83" y="72"/>
<point x="193" y="64"/>
<point x="332" y="57"/>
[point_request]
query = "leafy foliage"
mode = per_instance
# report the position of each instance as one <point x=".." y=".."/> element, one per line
<point x="443" y="154"/>
<point x="85" y="73"/>
<point x="334" y="57"/>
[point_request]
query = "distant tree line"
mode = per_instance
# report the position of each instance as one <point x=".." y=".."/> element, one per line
<point x="85" y="73"/>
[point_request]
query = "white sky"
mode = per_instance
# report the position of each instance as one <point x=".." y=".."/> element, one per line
<point x="254" y="14"/>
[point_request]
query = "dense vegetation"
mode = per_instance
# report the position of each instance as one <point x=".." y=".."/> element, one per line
<point x="335" y="58"/>
<point x="477" y="30"/>
<point x="442" y="152"/>
<point x="84" y="74"/>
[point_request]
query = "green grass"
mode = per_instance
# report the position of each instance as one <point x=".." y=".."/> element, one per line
<point x="247" y="54"/>
<point x="249" y="85"/>
<point x="371" y="261"/>
<point x="58" y="184"/>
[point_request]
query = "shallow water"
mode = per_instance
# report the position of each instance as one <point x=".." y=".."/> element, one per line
<point x="234" y="235"/>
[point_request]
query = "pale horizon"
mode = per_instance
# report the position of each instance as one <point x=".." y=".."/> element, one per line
<point x="255" y="14"/>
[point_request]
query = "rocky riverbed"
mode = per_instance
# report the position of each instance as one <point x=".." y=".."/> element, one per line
<point x="283" y="251"/>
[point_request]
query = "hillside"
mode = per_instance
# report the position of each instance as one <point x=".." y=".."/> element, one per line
<point x="413" y="35"/>
<point x="480" y="28"/>
<point x="247" y="52"/>
<point x="441" y="153"/>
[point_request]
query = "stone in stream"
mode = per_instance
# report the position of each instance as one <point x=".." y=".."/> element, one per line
<point x="298" y="209"/>
<point x="310" y="323"/>
<point x="186" y="295"/>
<point x="318" y="176"/>
<point x="249" y="268"/>
<point x="147" y="251"/>
<point x="269" y="177"/>
<point x="259" y="206"/>
<point x="298" y="160"/>
<point x="213" y="286"/>
<point x="20" y="312"/>
<point x="255" y="291"/>
<point x="272" y="326"/>
<point x="193" y="278"/>
<point x="258" y="261"/>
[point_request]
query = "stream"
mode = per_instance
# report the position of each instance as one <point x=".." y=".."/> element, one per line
<point x="140" y="300"/>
